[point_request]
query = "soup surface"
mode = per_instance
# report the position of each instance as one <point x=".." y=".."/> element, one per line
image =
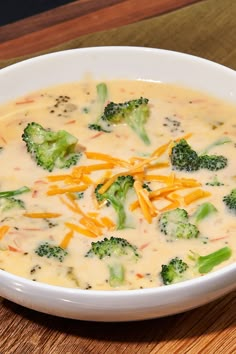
<point x="48" y="236"/>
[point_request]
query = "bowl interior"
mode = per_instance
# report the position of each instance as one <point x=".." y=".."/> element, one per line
<point x="105" y="63"/>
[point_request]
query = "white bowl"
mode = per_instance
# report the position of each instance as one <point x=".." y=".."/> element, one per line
<point x="111" y="63"/>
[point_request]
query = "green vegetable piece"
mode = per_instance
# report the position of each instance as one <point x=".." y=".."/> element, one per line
<point x="79" y="195"/>
<point x="183" y="157"/>
<point x="51" y="251"/>
<point x="206" y="263"/>
<point x="134" y="113"/>
<point x="115" y="248"/>
<point x="214" y="182"/>
<point x="102" y="93"/>
<point x="102" y="97"/>
<point x="218" y="142"/>
<point x="98" y="128"/>
<point x="10" y="203"/>
<point x="12" y="193"/>
<point x="230" y="200"/>
<point x="175" y="224"/>
<point x="203" y="211"/>
<point x="213" y="162"/>
<point x="50" y="149"/>
<point x="174" y="271"/>
<point x="147" y="187"/>
<point x="117" y="275"/>
<point x="116" y="195"/>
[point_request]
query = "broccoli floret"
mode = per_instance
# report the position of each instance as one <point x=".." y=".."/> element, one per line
<point x="173" y="272"/>
<point x="50" y="149"/>
<point x="51" y="251"/>
<point x="102" y="96"/>
<point x="175" y="224"/>
<point x="183" y="157"/>
<point x="213" y="162"/>
<point x="214" y="182"/>
<point x="230" y="200"/>
<point x="98" y="128"/>
<point x="134" y="113"/>
<point x="79" y="195"/>
<point x="11" y="203"/>
<point x="206" y="263"/>
<point x="147" y="187"/>
<point x="116" y="195"/>
<point x="115" y="247"/>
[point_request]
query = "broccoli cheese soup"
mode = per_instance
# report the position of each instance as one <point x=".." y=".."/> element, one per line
<point x="117" y="185"/>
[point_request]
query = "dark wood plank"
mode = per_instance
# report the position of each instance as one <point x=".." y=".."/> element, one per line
<point x="95" y="19"/>
<point x="52" y="17"/>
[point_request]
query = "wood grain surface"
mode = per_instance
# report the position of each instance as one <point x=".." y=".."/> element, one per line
<point x="208" y="330"/>
<point x="207" y="29"/>
<point x="81" y="17"/>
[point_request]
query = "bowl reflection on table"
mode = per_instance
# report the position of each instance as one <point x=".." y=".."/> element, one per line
<point x="105" y="63"/>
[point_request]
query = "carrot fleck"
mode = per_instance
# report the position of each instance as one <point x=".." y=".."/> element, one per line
<point x="139" y="275"/>
<point x="13" y="249"/>
<point x="25" y="101"/>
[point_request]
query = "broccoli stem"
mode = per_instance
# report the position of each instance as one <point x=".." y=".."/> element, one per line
<point x="12" y="193"/>
<point x="116" y="274"/>
<point x="119" y="208"/>
<point x="203" y="211"/>
<point x="102" y="94"/>
<point x="218" y="142"/>
<point x="138" y="128"/>
<point x="206" y="263"/>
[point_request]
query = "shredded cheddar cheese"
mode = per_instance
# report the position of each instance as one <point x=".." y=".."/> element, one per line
<point x="91" y="223"/>
<point x="42" y="215"/>
<point x="4" y="230"/>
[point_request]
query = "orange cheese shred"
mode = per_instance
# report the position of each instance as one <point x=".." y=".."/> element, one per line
<point x="195" y="195"/>
<point x="80" y="230"/>
<point x="3" y="231"/>
<point x="107" y="222"/>
<point x="42" y="215"/>
<point x="161" y="150"/>
<point x="66" y="240"/>
<point x="146" y="205"/>
<point x="56" y="178"/>
<point x="172" y="205"/>
<point x="55" y="191"/>
<point x="91" y="224"/>
<point x="105" y="157"/>
<point x="162" y="192"/>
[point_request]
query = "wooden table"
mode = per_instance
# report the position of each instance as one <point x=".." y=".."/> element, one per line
<point x="204" y="28"/>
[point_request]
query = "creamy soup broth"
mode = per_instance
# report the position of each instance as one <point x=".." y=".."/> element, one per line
<point x="174" y="112"/>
